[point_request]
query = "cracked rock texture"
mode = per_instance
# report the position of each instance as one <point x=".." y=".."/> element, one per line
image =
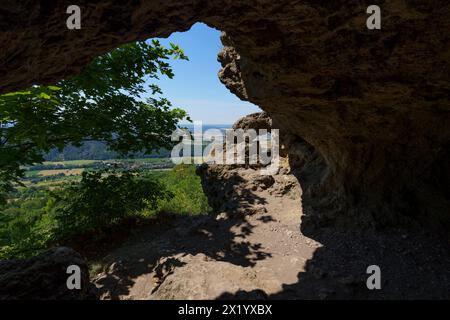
<point x="371" y="108"/>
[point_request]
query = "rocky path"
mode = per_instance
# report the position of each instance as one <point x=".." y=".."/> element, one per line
<point x="208" y="257"/>
<point x="259" y="252"/>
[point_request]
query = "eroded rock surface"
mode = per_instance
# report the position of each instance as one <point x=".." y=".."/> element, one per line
<point x="373" y="104"/>
<point x="44" y="277"/>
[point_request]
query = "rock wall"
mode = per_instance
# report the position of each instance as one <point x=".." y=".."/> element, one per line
<point x="371" y="107"/>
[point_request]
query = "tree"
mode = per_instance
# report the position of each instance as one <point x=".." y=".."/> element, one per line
<point x="104" y="102"/>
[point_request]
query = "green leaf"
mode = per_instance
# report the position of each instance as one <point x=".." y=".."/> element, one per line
<point x="43" y="95"/>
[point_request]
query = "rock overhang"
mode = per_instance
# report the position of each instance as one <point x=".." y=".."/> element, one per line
<point x="373" y="103"/>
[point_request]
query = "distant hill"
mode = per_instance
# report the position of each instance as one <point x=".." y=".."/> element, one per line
<point x="95" y="150"/>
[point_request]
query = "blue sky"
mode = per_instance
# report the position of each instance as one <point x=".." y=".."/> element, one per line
<point x="196" y="87"/>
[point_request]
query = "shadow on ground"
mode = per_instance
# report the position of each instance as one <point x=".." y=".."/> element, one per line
<point x="414" y="265"/>
<point x="164" y="243"/>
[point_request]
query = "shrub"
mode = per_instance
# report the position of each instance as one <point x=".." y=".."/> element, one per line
<point x="102" y="198"/>
<point x="186" y="189"/>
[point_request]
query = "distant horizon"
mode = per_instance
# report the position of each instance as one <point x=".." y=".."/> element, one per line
<point x="207" y="124"/>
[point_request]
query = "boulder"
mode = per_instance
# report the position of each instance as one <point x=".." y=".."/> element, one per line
<point x="44" y="277"/>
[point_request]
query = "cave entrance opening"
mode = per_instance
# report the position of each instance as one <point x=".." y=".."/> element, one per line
<point x="196" y="87"/>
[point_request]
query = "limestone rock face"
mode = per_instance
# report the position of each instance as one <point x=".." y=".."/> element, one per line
<point x="230" y="188"/>
<point x="371" y="108"/>
<point x="44" y="277"/>
<point x="256" y="121"/>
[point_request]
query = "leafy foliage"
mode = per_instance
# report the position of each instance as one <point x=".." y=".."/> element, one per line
<point x="38" y="218"/>
<point x="24" y="227"/>
<point x="102" y="198"/>
<point x="104" y="102"/>
<point x="187" y="192"/>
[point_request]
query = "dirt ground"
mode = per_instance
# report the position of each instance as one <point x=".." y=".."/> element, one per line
<point x="264" y="255"/>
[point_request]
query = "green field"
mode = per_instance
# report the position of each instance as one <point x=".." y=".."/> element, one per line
<point x="71" y="163"/>
<point x="56" y="172"/>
